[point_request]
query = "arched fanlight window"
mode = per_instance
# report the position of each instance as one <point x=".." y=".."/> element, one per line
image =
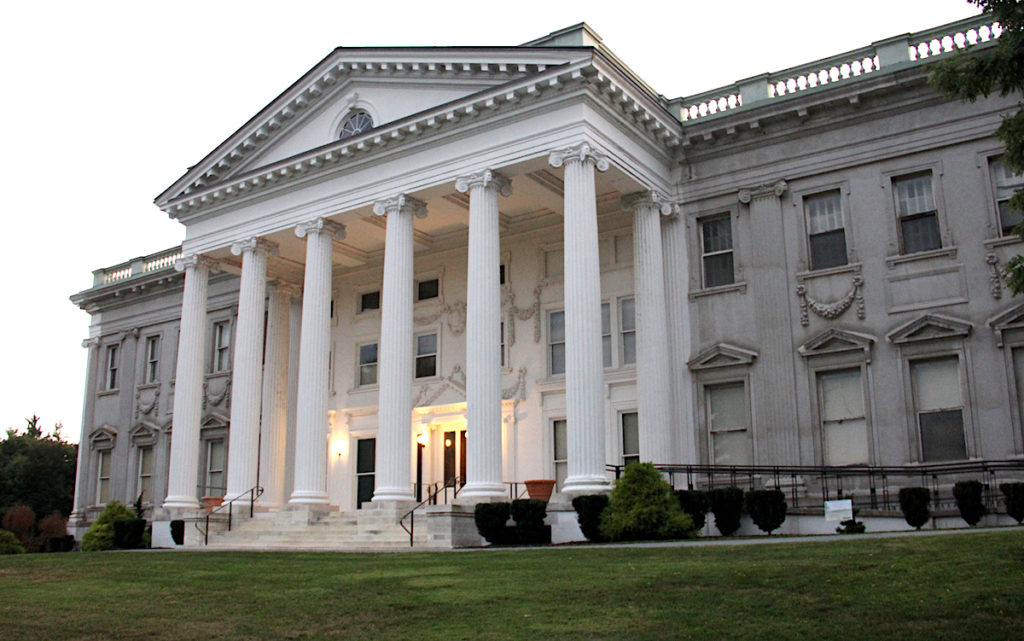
<point x="356" y="123"/>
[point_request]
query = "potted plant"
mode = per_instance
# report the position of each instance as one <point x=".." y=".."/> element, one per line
<point x="540" y="489"/>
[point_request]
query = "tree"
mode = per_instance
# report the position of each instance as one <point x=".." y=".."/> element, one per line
<point x="37" y="470"/>
<point x="999" y="69"/>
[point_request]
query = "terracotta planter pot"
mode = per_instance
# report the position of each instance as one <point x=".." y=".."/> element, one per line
<point x="211" y="502"/>
<point x="540" y="489"/>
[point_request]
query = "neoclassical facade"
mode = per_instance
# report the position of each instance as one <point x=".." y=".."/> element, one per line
<point x="421" y="269"/>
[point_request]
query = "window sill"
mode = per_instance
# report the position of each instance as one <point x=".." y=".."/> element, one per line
<point x="148" y="386"/>
<point x="850" y="268"/>
<point x="1002" y="241"/>
<point x="740" y="287"/>
<point x="943" y="252"/>
<point x="108" y="392"/>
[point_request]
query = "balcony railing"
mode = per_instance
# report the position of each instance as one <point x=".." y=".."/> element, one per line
<point x="144" y="265"/>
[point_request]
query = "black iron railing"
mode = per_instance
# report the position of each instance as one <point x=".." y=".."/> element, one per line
<point x="438" y="494"/>
<point x="218" y="513"/>
<point x="872" y="487"/>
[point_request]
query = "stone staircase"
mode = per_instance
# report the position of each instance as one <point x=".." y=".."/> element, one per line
<point x="361" y="531"/>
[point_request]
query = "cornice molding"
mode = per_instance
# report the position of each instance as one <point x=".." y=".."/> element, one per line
<point x="488" y="179"/>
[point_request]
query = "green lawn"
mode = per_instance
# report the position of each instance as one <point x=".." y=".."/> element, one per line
<point x="916" y="587"/>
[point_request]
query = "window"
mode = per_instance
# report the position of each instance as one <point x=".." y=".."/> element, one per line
<point x="356" y="123"/>
<point x="630" y="437"/>
<point x="215" y="459"/>
<point x="561" y="451"/>
<point x="1006" y="183"/>
<point x="916" y="213"/>
<point x="366" y="453"/>
<point x="716" y="251"/>
<point x="501" y="333"/>
<point x="501" y="274"/>
<point x="152" y="359"/>
<point x="554" y="263"/>
<point x="368" y="364"/>
<point x="606" y="335"/>
<point x="369" y="300"/>
<point x="728" y="424"/>
<point x="427" y="289"/>
<point x="627" y="330"/>
<point x="844" y="431"/>
<point x="426" y="355"/>
<point x="113" y="359"/>
<point x="556" y="342"/>
<point x="102" y="477"/>
<point x="221" y="346"/>
<point x="145" y="479"/>
<point x="825" y="233"/>
<point x="938" y="404"/>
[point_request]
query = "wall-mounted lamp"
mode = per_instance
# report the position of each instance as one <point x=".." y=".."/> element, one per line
<point x="422" y="439"/>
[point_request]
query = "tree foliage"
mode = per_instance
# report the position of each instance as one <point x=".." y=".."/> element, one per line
<point x="643" y="507"/>
<point x="37" y="470"/>
<point x="970" y="75"/>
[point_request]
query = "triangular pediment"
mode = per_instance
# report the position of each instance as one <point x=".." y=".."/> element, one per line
<point x="722" y="355"/>
<point x="144" y="432"/>
<point x="391" y="84"/>
<point x="835" y="341"/>
<point x="1012" y="318"/>
<point x="930" y="327"/>
<point x="214" y="420"/>
<point x="103" y="437"/>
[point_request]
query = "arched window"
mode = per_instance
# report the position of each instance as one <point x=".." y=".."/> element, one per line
<point x="356" y="123"/>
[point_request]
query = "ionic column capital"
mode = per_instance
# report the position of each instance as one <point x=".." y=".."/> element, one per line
<point x="767" y="190"/>
<point x="582" y="152"/>
<point x="488" y="179"/>
<point x="400" y="204"/>
<point x="320" y="225"/>
<point x="284" y="288"/>
<point x="650" y="200"/>
<point x="192" y="261"/>
<point x="91" y="342"/>
<point x="254" y="244"/>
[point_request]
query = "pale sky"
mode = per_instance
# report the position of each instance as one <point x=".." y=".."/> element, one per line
<point x="107" y="103"/>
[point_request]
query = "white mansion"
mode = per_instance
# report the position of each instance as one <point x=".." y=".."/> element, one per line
<point x="468" y="267"/>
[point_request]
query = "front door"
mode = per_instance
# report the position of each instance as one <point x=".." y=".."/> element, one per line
<point x="455" y="458"/>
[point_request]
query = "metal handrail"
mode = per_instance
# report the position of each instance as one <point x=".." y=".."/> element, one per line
<point x="432" y="492"/>
<point x="254" y="493"/>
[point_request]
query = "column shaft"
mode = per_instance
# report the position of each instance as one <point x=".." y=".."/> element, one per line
<point x="81" y="502"/>
<point x="653" y="379"/>
<point x="395" y="356"/>
<point x="310" y="487"/>
<point x="274" y="424"/>
<point x="247" y="370"/>
<point x="483" y="337"/>
<point x="188" y="386"/>
<point x="584" y="373"/>
<point x="677" y="285"/>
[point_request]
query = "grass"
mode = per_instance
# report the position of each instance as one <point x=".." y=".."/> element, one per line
<point x="915" y="587"/>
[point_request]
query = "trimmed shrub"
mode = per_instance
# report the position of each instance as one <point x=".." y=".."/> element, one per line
<point x="50" y="528"/>
<point x="9" y="543"/>
<point x="968" y="495"/>
<point x="914" y="503"/>
<point x="128" y="534"/>
<point x="767" y="508"/>
<point x="1014" y="493"/>
<point x="851" y="526"/>
<point x="727" y="506"/>
<point x="589" y="508"/>
<point x="529" y="517"/>
<point x="697" y="504"/>
<point x="20" y="521"/>
<point x="64" y="543"/>
<point x="100" y="535"/>
<point x="178" y="531"/>
<point x="491" y="519"/>
<point x="643" y="507"/>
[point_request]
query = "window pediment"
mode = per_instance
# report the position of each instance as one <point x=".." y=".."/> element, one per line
<point x="835" y="341"/>
<point x="214" y="420"/>
<point x="145" y="433"/>
<point x="1012" y="318"/>
<point x="103" y="438"/>
<point x="722" y="355"/>
<point x="929" y="327"/>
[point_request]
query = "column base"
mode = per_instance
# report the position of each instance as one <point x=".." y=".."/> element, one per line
<point x="181" y="504"/>
<point x="475" y="493"/>
<point x="577" y="485"/>
<point x="390" y="494"/>
<point x="308" y="498"/>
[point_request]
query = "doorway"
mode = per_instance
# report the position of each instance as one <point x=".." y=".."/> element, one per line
<point x="455" y="458"/>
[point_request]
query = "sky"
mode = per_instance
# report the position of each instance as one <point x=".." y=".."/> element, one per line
<point x="107" y="103"/>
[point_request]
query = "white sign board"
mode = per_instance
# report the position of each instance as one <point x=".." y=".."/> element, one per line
<point x="839" y="510"/>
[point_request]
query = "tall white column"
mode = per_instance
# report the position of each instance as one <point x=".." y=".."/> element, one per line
<point x="188" y="385"/>
<point x="483" y="336"/>
<point x="80" y="503"/>
<point x="274" y="424"/>
<point x="247" y="368"/>
<point x="310" y="489"/>
<point x="584" y="373"/>
<point x="653" y="375"/>
<point x="675" y="251"/>
<point x="395" y="352"/>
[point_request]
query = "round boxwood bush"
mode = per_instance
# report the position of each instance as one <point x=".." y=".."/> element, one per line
<point x="643" y="507"/>
<point x="727" y="506"/>
<point x="767" y="509"/>
<point x="1014" y="493"/>
<point x="491" y="519"/>
<point x="914" y="503"/>
<point x="968" y="495"/>
<point x="529" y="517"/>
<point x="589" y="508"/>
<point x="100" y="535"/>
<point x="697" y="504"/>
<point x="9" y="544"/>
